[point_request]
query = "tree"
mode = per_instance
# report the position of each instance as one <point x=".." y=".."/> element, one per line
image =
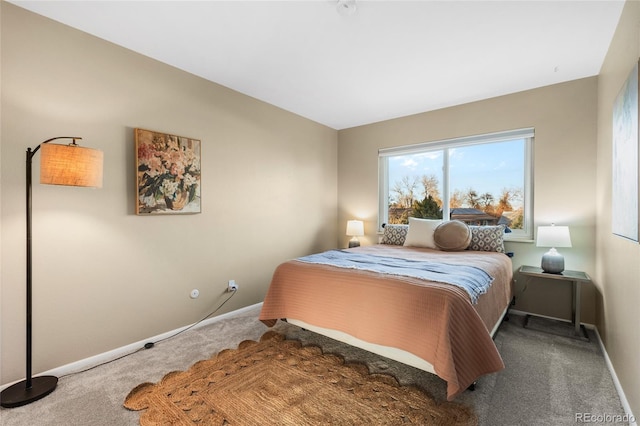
<point x="472" y="199"/>
<point x="507" y="198"/>
<point x="518" y="219"/>
<point x="486" y="200"/>
<point x="430" y="186"/>
<point x="404" y="191"/>
<point x="428" y="208"/>
<point x="486" y="203"/>
<point x="456" y="200"/>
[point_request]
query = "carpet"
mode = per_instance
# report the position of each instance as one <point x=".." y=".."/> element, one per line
<point x="281" y="382"/>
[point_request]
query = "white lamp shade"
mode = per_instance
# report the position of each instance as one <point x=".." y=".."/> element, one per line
<point x="355" y="228"/>
<point x="70" y="165"/>
<point x="553" y="236"/>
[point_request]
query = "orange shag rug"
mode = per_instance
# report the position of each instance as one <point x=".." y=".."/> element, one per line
<point x="280" y="382"/>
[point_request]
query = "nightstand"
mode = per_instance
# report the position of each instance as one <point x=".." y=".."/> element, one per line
<point x="576" y="278"/>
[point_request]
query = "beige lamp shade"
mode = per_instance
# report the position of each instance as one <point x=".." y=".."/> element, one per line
<point x="355" y="228"/>
<point x="70" y="165"/>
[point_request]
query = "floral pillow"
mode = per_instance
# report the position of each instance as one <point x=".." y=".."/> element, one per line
<point x="487" y="238"/>
<point x="394" y="234"/>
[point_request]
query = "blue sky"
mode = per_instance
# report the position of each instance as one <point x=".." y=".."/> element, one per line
<point x="484" y="168"/>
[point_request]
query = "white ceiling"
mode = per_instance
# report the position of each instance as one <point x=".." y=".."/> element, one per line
<point x="389" y="59"/>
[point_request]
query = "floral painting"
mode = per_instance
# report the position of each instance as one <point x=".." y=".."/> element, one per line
<point x="168" y="173"/>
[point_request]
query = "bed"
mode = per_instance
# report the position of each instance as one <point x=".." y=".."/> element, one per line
<point x="430" y="324"/>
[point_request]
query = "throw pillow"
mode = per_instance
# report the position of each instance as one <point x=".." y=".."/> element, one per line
<point x="487" y="238"/>
<point x="453" y="235"/>
<point x="420" y="233"/>
<point x="394" y="234"/>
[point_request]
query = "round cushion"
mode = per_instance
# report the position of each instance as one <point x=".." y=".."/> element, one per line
<point x="452" y="235"/>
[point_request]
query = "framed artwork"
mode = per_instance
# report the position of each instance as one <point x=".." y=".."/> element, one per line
<point x="625" y="160"/>
<point x="168" y="173"/>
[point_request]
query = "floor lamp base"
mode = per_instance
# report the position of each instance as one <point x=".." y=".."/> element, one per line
<point x="17" y="395"/>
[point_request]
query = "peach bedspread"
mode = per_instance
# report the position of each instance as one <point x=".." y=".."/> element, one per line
<point x="434" y="321"/>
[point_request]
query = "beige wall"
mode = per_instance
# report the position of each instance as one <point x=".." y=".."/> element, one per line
<point x="564" y="118"/>
<point x="104" y="277"/>
<point x="618" y="259"/>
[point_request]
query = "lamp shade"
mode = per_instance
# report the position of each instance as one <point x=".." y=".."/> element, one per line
<point x="355" y="228"/>
<point x="553" y="236"/>
<point x="70" y="165"/>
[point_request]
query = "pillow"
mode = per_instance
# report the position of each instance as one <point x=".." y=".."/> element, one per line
<point x="487" y="238"/>
<point x="394" y="234"/>
<point x="420" y="233"/>
<point x="453" y="235"/>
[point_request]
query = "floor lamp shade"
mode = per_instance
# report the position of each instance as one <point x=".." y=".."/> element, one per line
<point x="69" y="165"/>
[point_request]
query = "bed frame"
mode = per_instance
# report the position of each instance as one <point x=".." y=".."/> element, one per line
<point x="386" y="351"/>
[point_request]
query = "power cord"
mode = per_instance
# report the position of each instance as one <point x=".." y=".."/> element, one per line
<point x="150" y="345"/>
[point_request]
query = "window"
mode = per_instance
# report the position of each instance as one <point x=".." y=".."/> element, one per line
<point x="481" y="180"/>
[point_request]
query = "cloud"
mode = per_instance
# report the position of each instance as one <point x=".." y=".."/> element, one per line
<point x="410" y="163"/>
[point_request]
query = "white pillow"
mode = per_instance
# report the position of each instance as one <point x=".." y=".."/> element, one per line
<point x="420" y="232"/>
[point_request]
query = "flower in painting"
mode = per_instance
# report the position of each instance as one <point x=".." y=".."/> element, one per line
<point x="168" y="170"/>
<point x="169" y="188"/>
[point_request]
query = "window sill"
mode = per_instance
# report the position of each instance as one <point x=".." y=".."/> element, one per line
<point x="518" y="240"/>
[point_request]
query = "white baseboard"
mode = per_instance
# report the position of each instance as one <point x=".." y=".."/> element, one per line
<point x="616" y="382"/>
<point x="607" y="360"/>
<point x="111" y="355"/>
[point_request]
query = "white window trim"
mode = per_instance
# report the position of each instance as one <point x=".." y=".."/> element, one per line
<point x="528" y="134"/>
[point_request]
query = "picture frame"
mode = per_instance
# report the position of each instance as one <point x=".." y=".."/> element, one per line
<point x="625" y="183"/>
<point x="167" y="173"/>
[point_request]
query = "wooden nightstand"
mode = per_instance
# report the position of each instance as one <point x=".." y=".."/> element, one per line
<point x="576" y="278"/>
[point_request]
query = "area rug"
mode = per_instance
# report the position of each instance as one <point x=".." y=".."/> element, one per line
<point x="280" y="382"/>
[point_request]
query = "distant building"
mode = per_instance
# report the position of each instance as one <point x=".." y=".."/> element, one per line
<point x="478" y="217"/>
<point x="466" y="215"/>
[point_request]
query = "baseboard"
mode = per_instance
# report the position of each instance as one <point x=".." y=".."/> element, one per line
<point x="607" y="360"/>
<point x="616" y="382"/>
<point x="95" y="360"/>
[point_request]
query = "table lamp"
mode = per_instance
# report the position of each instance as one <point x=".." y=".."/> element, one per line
<point x="355" y="228"/>
<point x="553" y="236"/>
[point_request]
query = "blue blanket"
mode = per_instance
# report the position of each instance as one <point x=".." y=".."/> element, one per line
<point x="473" y="280"/>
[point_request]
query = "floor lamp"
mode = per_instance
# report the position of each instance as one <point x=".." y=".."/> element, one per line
<point x="69" y="165"/>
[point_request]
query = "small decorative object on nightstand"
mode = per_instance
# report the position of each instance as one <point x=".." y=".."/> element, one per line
<point x="355" y="228"/>
<point x="553" y="236"/>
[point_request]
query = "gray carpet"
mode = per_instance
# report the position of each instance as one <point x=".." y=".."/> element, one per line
<point x="547" y="379"/>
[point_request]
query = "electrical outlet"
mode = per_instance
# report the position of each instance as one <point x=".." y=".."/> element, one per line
<point x="232" y="286"/>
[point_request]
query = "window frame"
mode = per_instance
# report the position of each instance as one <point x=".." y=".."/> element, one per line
<point x="528" y="134"/>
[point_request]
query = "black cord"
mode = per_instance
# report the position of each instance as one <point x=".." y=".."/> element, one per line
<point x="150" y="345"/>
<point x="192" y="325"/>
